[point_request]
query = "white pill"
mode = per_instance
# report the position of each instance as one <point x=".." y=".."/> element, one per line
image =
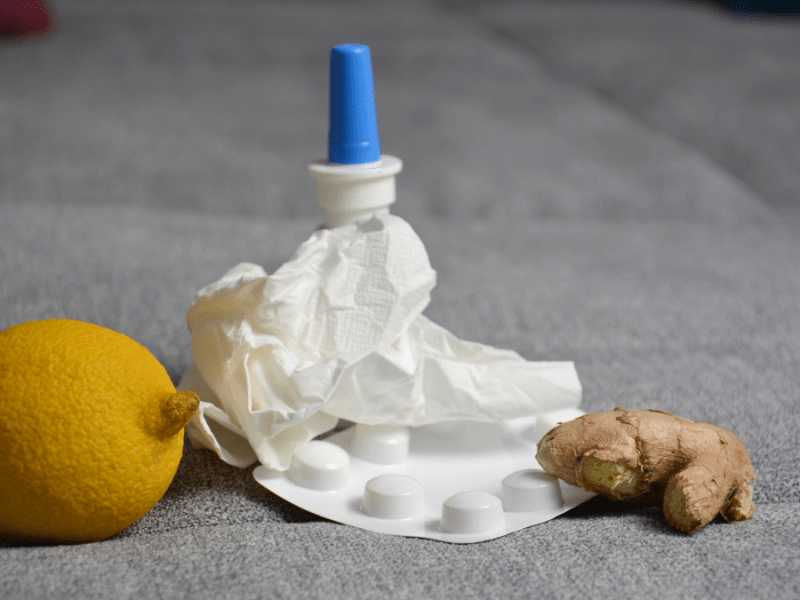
<point x="380" y="444"/>
<point x="530" y="491"/>
<point x="472" y="512"/>
<point x="320" y="466"/>
<point x="393" y="496"/>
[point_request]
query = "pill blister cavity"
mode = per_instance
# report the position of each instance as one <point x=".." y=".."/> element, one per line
<point x="472" y="513"/>
<point x="393" y="496"/>
<point x="380" y="444"/>
<point x="440" y="490"/>
<point x="531" y="490"/>
<point x="320" y="466"/>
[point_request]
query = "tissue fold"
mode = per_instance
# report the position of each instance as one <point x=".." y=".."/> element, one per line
<point x="337" y="332"/>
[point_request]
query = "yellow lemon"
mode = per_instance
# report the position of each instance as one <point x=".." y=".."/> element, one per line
<point x="91" y="431"/>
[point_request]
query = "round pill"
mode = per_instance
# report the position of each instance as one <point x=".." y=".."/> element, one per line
<point x="320" y="466"/>
<point x="393" y="496"/>
<point x="380" y="444"/>
<point x="530" y="491"/>
<point x="472" y="512"/>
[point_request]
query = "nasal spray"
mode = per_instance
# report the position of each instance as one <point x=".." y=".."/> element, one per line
<point x="356" y="180"/>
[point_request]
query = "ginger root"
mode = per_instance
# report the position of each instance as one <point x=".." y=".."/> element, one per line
<point x="697" y="470"/>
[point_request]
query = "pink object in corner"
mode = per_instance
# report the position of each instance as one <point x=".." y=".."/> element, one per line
<point x="25" y="17"/>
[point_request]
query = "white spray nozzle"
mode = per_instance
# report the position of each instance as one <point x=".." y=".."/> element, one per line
<point x="349" y="193"/>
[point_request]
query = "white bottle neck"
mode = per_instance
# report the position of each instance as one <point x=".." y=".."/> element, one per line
<point x="349" y="193"/>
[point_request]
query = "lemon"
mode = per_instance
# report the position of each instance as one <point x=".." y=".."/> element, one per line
<point x="91" y="431"/>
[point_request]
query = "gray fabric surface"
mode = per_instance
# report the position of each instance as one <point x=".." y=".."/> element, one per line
<point x="613" y="183"/>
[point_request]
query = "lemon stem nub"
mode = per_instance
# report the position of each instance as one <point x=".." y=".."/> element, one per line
<point x="176" y="411"/>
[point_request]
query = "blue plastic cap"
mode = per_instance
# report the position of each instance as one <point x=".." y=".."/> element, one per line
<point x="353" y="136"/>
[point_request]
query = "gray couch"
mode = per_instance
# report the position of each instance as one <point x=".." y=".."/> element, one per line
<point x="614" y="183"/>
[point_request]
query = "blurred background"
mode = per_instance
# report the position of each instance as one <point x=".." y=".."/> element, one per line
<point x="611" y="182"/>
<point x="536" y="101"/>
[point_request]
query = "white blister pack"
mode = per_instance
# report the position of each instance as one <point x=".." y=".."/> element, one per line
<point x="457" y="481"/>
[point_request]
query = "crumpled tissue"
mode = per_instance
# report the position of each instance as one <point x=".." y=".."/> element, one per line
<point x="337" y="332"/>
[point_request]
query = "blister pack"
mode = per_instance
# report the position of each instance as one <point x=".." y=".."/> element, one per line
<point x="458" y="481"/>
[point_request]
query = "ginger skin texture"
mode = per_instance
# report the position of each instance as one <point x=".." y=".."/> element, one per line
<point x="696" y="470"/>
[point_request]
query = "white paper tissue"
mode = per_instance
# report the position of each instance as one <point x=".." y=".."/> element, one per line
<point x="338" y="332"/>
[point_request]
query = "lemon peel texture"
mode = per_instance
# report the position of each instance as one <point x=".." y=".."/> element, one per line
<point x="91" y="431"/>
